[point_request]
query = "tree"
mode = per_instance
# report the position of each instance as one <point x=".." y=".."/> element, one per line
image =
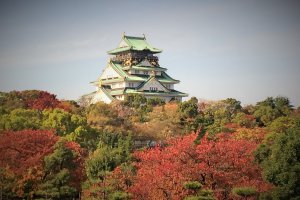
<point x="40" y="100"/>
<point x="245" y="192"/>
<point x="244" y="120"/>
<point x="279" y="156"/>
<point x="22" y="154"/>
<point x="20" y="119"/>
<point x="232" y="106"/>
<point x="113" y="150"/>
<point x="271" y="108"/>
<point x="135" y="100"/>
<point x="63" y="171"/>
<point x="219" y="165"/>
<point x="281" y="124"/>
<point x="7" y="182"/>
<point x="200" y="194"/>
<point x="104" y="116"/>
<point x="164" y="122"/>
<point x="189" y="109"/>
<point x="70" y="106"/>
<point x="63" y="122"/>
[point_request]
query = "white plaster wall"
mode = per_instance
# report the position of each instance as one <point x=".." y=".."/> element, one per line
<point x="171" y="86"/>
<point x="109" y="72"/>
<point x="158" y="73"/>
<point x="123" y="44"/>
<point x="100" y="96"/>
<point x="117" y="85"/>
<point x="135" y="84"/>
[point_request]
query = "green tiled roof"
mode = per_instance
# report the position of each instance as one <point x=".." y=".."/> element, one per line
<point x="135" y="43"/>
<point x="114" y="80"/>
<point x="119" y="69"/>
<point x="134" y="91"/>
<point x="164" y="78"/>
<point x="117" y="92"/>
<point x="172" y="92"/>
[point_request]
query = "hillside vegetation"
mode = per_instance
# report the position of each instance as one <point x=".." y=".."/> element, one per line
<point x="146" y="149"/>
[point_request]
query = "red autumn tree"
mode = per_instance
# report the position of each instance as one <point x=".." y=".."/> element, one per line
<point x="21" y="150"/>
<point x="42" y="100"/>
<point x="219" y="165"/>
<point x="22" y="153"/>
<point x="163" y="171"/>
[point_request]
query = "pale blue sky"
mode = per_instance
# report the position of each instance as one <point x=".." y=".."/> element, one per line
<point x="244" y="49"/>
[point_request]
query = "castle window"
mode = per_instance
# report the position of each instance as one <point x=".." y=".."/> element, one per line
<point x="136" y="71"/>
<point x="153" y="89"/>
<point x="146" y="72"/>
<point x="130" y="84"/>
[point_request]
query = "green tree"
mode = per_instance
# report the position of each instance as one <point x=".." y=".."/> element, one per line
<point x="113" y="150"/>
<point x="200" y="194"/>
<point x="20" y="119"/>
<point x="189" y="109"/>
<point x="58" y="167"/>
<point x="135" y="100"/>
<point x="281" y="124"/>
<point x="271" y="108"/>
<point x="279" y="156"/>
<point x="63" y="122"/>
<point x="85" y="136"/>
<point x="244" y="192"/>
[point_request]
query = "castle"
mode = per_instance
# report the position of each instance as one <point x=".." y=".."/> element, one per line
<point x="134" y="69"/>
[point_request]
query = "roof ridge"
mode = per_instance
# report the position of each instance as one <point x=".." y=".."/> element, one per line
<point x="134" y="37"/>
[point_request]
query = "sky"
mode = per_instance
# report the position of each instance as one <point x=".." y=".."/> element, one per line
<point x="243" y="49"/>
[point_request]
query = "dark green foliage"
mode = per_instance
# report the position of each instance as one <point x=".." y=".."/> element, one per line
<point x="201" y="194"/>
<point x="135" y="100"/>
<point x="112" y="151"/>
<point x="57" y="166"/>
<point x="142" y="106"/>
<point x="85" y="136"/>
<point x="232" y="106"/>
<point x="279" y="157"/>
<point x="155" y="102"/>
<point x="189" y="118"/>
<point x="189" y="109"/>
<point x="244" y="120"/>
<point x="244" y="191"/>
<point x="271" y="108"/>
<point x="193" y="185"/>
<point x="200" y="135"/>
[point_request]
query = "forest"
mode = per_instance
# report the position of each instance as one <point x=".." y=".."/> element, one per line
<point x="146" y="149"/>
